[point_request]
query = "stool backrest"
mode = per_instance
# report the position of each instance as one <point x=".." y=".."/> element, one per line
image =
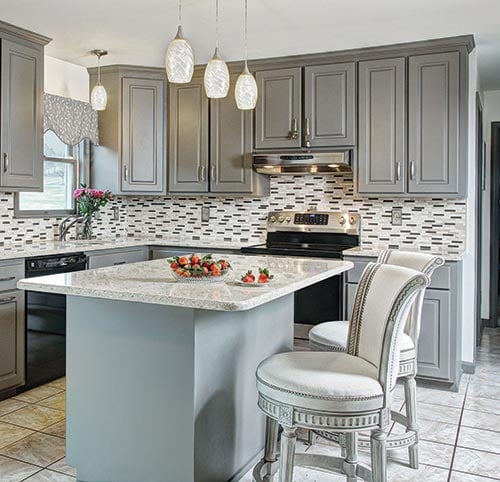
<point x="382" y="303"/>
<point x="423" y="262"/>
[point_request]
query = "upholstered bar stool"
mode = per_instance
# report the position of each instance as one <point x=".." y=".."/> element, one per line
<point x="346" y="392"/>
<point x="332" y="336"/>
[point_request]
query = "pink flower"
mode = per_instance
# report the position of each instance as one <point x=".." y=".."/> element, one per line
<point x="78" y="193"/>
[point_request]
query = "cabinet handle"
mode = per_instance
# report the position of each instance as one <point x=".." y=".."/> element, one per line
<point x="412" y="170"/>
<point x="308" y="132"/>
<point x="119" y="262"/>
<point x="5" y="162"/>
<point x="294" y="133"/>
<point x="212" y="174"/>
<point x="10" y="278"/>
<point x="125" y="173"/>
<point x="398" y="171"/>
<point x="203" y="173"/>
<point x="7" y="300"/>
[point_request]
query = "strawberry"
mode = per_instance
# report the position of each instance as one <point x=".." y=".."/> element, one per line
<point x="174" y="265"/>
<point x="183" y="260"/>
<point x="215" y="270"/>
<point x="195" y="259"/>
<point x="264" y="275"/>
<point x="195" y="265"/>
<point x="224" y="264"/>
<point x="248" y="276"/>
<point x="205" y="270"/>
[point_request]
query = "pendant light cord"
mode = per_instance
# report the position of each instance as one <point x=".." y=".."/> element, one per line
<point x="98" y="69"/>
<point x="246" y="31"/>
<point x="216" y="24"/>
<point x="180" y="17"/>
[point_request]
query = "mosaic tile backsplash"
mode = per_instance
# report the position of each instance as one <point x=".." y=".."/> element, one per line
<point x="427" y="223"/>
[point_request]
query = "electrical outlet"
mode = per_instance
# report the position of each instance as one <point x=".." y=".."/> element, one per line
<point x="116" y="213"/>
<point x="205" y="214"/>
<point x="397" y="216"/>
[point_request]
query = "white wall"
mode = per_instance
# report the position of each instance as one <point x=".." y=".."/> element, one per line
<point x="491" y="113"/>
<point x="66" y="79"/>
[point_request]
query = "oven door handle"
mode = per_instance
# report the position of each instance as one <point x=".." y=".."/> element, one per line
<point x="9" y="278"/>
<point x="7" y="300"/>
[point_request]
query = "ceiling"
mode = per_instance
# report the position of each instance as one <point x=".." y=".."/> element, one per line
<point x="137" y="32"/>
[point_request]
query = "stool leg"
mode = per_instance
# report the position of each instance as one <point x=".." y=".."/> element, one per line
<point x="351" y="458"/>
<point x="272" y="428"/>
<point x="378" y="441"/>
<point x="410" y="387"/>
<point x="288" y="438"/>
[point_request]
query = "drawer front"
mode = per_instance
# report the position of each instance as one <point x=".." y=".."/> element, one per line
<point x="10" y="273"/>
<point x="161" y="253"/>
<point x="102" y="260"/>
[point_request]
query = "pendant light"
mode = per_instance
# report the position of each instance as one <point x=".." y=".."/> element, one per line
<point x="179" y="60"/>
<point x="246" y="91"/>
<point x="216" y="73"/>
<point x="99" y="96"/>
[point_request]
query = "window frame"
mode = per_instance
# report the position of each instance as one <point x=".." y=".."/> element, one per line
<point x="79" y="157"/>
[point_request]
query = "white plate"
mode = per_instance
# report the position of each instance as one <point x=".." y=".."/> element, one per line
<point x="254" y="285"/>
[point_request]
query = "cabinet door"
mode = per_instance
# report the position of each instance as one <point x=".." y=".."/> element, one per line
<point x="230" y="146"/>
<point x="143" y="133"/>
<point x="188" y="141"/>
<point x="435" y="335"/>
<point x="21" y="117"/>
<point x="382" y="126"/>
<point x="329" y="103"/>
<point x="12" y="339"/>
<point x="278" y="112"/>
<point x="433" y="123"/>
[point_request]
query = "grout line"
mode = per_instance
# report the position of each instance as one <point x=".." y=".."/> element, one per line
<point x="485" y="477"/>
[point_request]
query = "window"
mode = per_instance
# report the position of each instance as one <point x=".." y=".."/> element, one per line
<point x="62" y="169"/>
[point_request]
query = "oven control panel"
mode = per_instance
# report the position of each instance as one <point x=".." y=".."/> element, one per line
<point x="320" y="221"/>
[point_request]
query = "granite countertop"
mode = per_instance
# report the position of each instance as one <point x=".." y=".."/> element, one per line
<point x="373" y="252"/>
<point x="60" y="247"/>
<point x="152" y="282"/>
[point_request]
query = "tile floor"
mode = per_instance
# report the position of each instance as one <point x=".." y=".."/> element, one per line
<point x="460" y="432"/>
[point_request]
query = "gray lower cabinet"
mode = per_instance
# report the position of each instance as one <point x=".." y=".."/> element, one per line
<point x="116" y="257"/>
<point x="131" y="155"/>
<point x="188" y="160"/>
<point x="382" y="126"/>
<point x="329" y="105"/>
<point x="162" y="252"/>
<point x="434" y="123"/>
<point x="21" y="116"/>
<point x="278" y="114"/>
<point x="439" y="347"/>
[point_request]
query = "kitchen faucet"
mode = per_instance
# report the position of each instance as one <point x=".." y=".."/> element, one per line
<point x="66" y="225"/>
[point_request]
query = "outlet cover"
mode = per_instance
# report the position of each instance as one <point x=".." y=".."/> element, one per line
<point x="205" y="214"/>
<point x="397" y="216"/>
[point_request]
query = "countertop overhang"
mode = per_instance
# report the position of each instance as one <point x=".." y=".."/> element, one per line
<point x="152" y="282"/>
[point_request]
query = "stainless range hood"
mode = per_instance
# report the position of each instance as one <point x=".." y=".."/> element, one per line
<point x="276" y="163"/>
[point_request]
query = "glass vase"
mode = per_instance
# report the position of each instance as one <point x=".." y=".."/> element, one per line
<point x="87" y="226"/>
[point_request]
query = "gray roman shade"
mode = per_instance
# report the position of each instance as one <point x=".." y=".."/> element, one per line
<point x="71" y="120"/>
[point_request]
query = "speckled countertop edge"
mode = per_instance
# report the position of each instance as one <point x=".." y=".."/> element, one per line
<point x="373" y="252"/>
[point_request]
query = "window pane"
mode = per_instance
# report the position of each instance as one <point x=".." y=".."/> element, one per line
<point x="58" y="187"/>
<point x="54" y="147"/>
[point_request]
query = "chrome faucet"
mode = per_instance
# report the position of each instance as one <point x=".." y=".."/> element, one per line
<point x="66" y="225"/>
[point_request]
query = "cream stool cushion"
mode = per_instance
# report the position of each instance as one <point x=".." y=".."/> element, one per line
<point x="335" y="382"/>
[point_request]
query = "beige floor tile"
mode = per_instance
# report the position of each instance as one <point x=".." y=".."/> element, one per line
<point x="480" y="388"/>
<point x="50" y="476"/>
<point x="57" y="401"/>
<point x="59" y="383"/>
<point x="10" y="434"/>
<point x="400" y="473"/>
<point x="461" y="477"/>
<point x="482" y="404"/>
<point x="10" y="405"/>
<point x="34" y="417"/>
<point x="430" y="453"/>
<point x="477" y="462"/>
<point x="440" y="397"/>
<point x="474" y="438"/>
<point x="38" y="449"/>
<point x="484" y="420"/>
<point x="445" y="433"/>
<point x="13" y="470"/>
<point x="428" y="411"/>
<point x="37" y="394"/>
<point x="62" y="466"/>
<point x="58" y="429"/>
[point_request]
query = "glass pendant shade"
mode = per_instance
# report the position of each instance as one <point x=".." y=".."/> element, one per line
<point x="179" y="60"/>
<point x="216" y="77"/>
<point x="99" y="97"/>
<point x="246" y="91"/>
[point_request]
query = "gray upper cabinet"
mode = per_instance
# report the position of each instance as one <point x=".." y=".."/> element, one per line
<point x="21" y="116"/>
<point x="131" y="156"/>
<point x="329" y="105"/>
<point x="434" y="123"/>
<point x="382" y="126"/>
<point x="188" y="163"/>
<point x="278" y="113"/>
<point x="143" y="148"/>
<point x="230" y="146"/>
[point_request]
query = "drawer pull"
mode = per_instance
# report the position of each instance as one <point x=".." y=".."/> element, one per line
<point x="7" y="300"/>
<point x="10" y="278"/>
<point x="119" y="262"/>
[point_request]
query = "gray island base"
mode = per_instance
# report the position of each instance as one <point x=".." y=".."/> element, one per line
<point x="161" y="375"/>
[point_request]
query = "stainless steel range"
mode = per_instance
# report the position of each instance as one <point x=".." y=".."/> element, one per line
<point x="317" y="234"/>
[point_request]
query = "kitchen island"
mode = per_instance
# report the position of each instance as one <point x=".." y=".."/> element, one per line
<point x="161" y="374"/>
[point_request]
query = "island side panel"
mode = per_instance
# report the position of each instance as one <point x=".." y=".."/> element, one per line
<point x="230" y="428"/>
<point x="130" y="391"/>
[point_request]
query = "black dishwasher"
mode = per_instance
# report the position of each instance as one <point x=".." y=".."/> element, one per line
<point x="46" y="320"/>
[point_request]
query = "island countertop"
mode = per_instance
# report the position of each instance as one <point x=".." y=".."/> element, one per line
<point x="152" y="282"/>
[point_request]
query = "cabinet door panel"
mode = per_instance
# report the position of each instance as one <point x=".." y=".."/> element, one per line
<point x="22" y="110"/>
<point x="382" y="126"/>
<point x="230" y="146"/>
<point x="12" y="339"/>
<point x="435" y="336"/>
<point x="143" y="153"/>
<point x="188" y="142"/>
<point x="434" y="123"/>
<point x="329" y="103"/>
<point x="278" y="109"/>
